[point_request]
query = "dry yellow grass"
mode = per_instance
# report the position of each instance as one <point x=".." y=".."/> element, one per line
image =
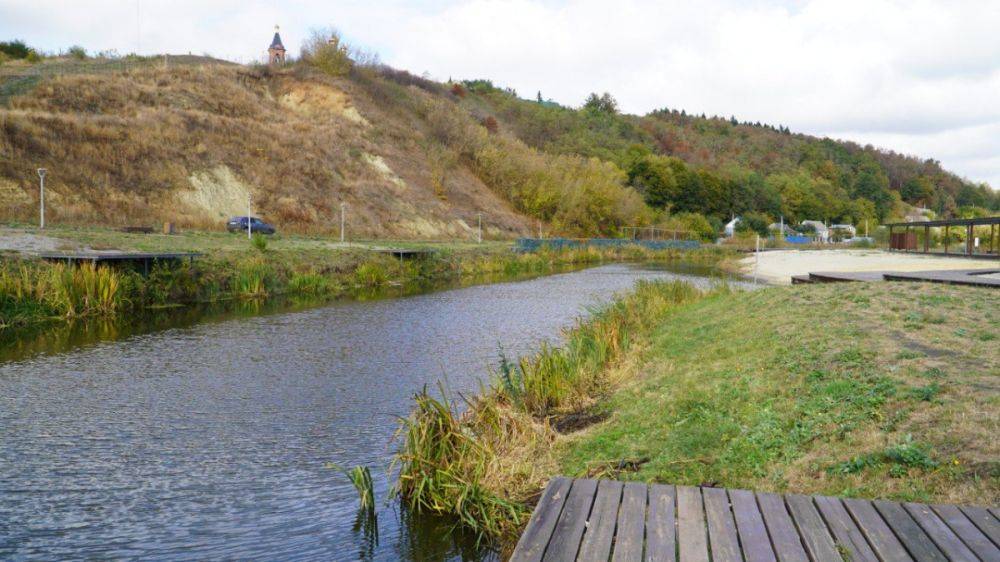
<point x="187" y="144"/>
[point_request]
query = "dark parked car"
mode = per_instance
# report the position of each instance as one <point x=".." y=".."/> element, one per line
<point x="239" y="224"/>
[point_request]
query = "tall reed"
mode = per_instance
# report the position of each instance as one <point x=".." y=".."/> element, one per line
<point x="481" y="466"/>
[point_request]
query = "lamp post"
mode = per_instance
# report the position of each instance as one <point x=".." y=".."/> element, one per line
<point x="249" y="216"/>
<point x="343" y="207"/>
<point x="41" y="197"/>
<point x="479" y="235"/>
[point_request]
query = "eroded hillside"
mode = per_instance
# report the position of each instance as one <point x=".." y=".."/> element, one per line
<point x="190" y="144"/>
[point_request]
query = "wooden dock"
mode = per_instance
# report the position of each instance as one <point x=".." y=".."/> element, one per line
<point x="973" y="277"/>
<point x="601" y="520"/>
<point x="145" y="260"/>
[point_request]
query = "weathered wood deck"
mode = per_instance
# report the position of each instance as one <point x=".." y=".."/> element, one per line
<point x="591" y="520"/>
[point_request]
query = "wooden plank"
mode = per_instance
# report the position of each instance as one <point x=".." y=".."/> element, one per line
<point x="943" y="537"/>
<point x="784" y="537"/>
<point x="596" y="546"/>
<point x="565" y="541"/>
<point x="815" y="536"/>
<point x="692" y="539"/>
<point x="661" y="535"/>
<point x="885" y="544"/>
<point x="988" y="524"/>
<point x="919" y="545"/>
<point x="631" y="524"/>
<point x="532" y="543"/>
<point x="751" y="528"/>
<point x="725" y="543"/>
<point x="845" y="533"/>
<point x="968" y="532"/>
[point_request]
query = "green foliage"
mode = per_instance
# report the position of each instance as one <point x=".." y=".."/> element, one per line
<point x="16" y="49"/>
<point x="259" y="242"/>
<point x="901" y="456"/>
<point x="251" y="278"/>
<point x="371" y="274"/>
<point x="755" y="223"/>
<point x="603" y="103"/>
<point x="77" y="52"/>
<point x="327" y="52"/>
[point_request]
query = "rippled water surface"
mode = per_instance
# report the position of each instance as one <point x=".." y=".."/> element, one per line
<point x="210" y="440"/>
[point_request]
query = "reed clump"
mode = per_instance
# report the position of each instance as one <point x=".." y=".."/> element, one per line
<point x="61" y="291"/>
<point x="484" y="465"/>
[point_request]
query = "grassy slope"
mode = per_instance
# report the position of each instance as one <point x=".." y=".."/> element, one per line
<point x="816" y="389"/>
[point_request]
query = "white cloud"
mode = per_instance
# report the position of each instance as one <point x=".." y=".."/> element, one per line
<point x="916" y="76"/>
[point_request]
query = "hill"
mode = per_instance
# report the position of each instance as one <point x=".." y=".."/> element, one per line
<point x="414" y="158"/>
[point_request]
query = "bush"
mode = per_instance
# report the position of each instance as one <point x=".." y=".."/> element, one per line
<point x="457" y="90"/>
<point x="491" y="125"/>
<point x="77" y="52"/>
<point x="326" y="51"/>
<point x="753" y="222"/>
<point x="259" y="241"/>
<point x="16" y="49"/>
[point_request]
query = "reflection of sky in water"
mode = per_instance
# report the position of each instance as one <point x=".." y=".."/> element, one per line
<point x="209" y="441"/>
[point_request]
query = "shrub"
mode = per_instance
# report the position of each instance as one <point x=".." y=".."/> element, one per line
<point x="326" y="51"/>
<point x="77" y="52"/>
<point x="16" y="49"/>
<point x="491" y="125"/>
<point x="259" y="241"/>
<point x="370" y="275"/>
<point x="753" y="222"/>
<point x="457" y="90"/>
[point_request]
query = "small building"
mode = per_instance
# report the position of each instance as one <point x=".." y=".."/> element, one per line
<point x="822" y="232"/>
<point x="730" y="229"/>
<point x="276" y="52"/>
<point x="844" y="228"/>
<point x="782" y="229"/>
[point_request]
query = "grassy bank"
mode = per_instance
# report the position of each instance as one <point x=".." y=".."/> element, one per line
<point x="869" y="390"/>
<point x="32" y="291"/>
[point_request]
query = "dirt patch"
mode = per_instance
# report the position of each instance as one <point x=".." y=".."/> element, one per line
<point x="568" y="423"/>
<point x="383" y="169"/>
<point x="17" y="240"/>
<point x="217" y="193"/>
<point x="316" y="99"/>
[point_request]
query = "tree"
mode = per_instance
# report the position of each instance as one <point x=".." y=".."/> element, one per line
<point x="917" y="189"/>
<point x="651" y="176"/>
<point x="871" y="183"/>
<point x="601" y="104"/>
<point x="753" y="222"/>
<point x="327" y="52"/>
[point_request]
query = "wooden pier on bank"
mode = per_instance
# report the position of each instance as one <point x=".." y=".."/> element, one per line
<point x="143" y="260"/>
<point x="601" y="520"/>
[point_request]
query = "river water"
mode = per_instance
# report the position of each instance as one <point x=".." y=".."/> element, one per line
<point x="210" y="440"/>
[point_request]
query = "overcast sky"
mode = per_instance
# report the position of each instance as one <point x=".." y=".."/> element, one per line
<point x="918" y="77"/>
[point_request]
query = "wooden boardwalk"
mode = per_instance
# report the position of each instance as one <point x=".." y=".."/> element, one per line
<point x="601" y="520"/>
<point x="973" y="277"/>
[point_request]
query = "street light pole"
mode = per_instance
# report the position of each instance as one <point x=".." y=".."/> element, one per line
<point x="479" y="236"/>
<point x="41" y="197"/>
<point x="343" y="206"/>
<point x="249" y="216"/>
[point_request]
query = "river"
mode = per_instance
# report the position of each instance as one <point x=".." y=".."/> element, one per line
<point x="210" y="440"/>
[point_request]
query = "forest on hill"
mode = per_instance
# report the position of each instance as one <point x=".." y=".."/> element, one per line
<point x="418" y="158"/>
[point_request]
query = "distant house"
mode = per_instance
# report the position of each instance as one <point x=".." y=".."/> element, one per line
<point x="785" y="230"/>
<point x="848" y="228"/>
<point x="276" y="52"/>
<point x="822" y="232"/>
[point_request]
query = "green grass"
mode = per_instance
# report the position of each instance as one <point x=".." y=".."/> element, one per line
<point x="806" y="390"/>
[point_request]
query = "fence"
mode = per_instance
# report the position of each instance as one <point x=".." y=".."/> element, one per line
<point x="535" y="244"/>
